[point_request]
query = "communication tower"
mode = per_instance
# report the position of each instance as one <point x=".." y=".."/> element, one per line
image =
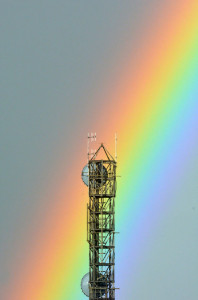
<point x="100" y="176"/>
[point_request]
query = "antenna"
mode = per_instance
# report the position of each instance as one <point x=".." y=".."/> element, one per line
<point x="116" y="147"/>
<point x="91" y="138"/>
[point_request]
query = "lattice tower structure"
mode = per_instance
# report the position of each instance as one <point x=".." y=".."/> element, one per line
<point x="101" y="226"/>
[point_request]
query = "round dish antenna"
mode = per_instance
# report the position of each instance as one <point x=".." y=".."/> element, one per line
<point x="85" y="284"/>
<point x="85" y="175"/>
<point x="96" y="169"/>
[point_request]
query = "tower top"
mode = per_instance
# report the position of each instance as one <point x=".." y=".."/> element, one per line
<point x="106" y="154"/>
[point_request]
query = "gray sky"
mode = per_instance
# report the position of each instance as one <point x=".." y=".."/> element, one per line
<point x="56" y="59"/>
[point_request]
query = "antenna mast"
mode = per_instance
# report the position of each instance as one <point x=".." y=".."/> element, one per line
<point x="116" y="147"/>
<point x="90" y="138"/>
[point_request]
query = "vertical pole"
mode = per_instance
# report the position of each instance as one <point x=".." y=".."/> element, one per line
<point x="88" y="149"/>
<point x="116" y="147"/>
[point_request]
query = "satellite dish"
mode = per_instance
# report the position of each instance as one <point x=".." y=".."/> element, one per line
<point x="85" y="284"/>
<point x="100" y="169"/>
<point x="85" y="175"/>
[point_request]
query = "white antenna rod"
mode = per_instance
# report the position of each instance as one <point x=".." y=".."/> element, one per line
<point x="88" y="149"/>
<point x="116" y="147"/>
<point x="91" y="138"/>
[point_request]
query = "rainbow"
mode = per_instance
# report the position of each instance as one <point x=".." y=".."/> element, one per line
<point x="155" y="105"/>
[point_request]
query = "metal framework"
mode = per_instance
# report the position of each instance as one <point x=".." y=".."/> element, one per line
<point x="101" y="225"/>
